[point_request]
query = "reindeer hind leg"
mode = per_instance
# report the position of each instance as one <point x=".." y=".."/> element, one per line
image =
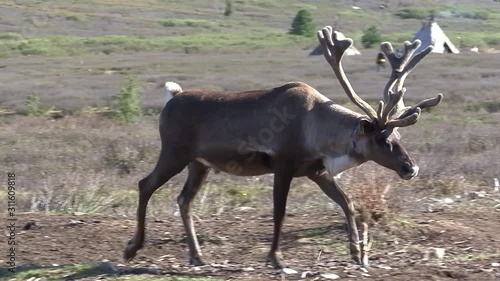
<point x="197" y="175"/>
<point x="169" y="164"/>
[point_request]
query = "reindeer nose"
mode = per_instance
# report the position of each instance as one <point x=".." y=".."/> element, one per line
<point x="410" y="169"/>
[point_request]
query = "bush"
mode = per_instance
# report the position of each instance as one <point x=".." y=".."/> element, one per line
<point x="478" y="15"/>
<point x="413" y="13"/>
<point x="371" y="36"/>
<point x="32" y="105"/>
<point x="229" y="8"/>
<point x="127" y="104"/>
<point x="303" y="24"/>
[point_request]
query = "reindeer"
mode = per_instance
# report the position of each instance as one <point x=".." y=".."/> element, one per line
<point x="290" y="131"/>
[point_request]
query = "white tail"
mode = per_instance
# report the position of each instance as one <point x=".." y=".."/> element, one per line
<point x="172" y="89"/>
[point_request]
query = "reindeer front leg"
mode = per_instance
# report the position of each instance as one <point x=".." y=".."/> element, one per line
<point x="333" y="190"/>
<point x="283" y="175"/>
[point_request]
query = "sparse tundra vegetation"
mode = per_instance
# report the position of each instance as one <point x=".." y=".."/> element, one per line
<point x="82" y="86"/>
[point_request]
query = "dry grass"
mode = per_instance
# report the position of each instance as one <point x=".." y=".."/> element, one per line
<point x="92" y="164"/>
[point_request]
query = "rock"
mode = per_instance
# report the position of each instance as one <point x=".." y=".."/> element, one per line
<point x="431" y="209"/>
<point x="244" y="209"/>
<point x="107" y="267"/>
<point x="247" y="269"/>
<point x="216" y="265"/>
<point x="75" y="222"/>
<point x="26" y="266"/>
<point x="475" y="195"/>
<point x="437" y="253"/>
<point x="447" y="201"/>
<point x="330" y="276"/>
<point x="306" y="273"/>
<point x="30" y="225"/>
<point x="290" y="271"/>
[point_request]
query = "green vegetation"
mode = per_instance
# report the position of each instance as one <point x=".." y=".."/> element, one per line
<point x="473" y="257"/>
<point x="197" y="23"/>
<point x="414" y="13"/>
<point x="60" y="45"/>
<point x="303" y="24"/>
<point x="473" y="12"/>
<point x="32" y="105"/>
<point x="76" y="272"/>
<point x="229" y="8"/>
<point x="10" y="36"/>
<point x="322" y="236"/>
<point x="371" y="36"/>
<point x="75" y="17"/>
<point x="127" y="104"/>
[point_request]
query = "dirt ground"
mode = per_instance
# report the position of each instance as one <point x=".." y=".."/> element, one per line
<point x="235" y="245"/>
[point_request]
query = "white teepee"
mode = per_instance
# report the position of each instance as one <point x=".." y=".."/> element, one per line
<point x="432" y="34"/>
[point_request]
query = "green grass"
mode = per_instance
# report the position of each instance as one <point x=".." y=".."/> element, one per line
<point x="322" y="236"/>
<point x="72" y="45"/>
<point x="473" y="12"/>
<point x="60" y="45"/>
<point x="196" y="23"/>
<point x="473" y="257"/>
<point x="76" y="272"/>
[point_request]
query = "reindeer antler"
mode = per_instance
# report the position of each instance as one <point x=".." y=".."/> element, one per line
<point x="394" y="113"/>
<point x="391" y="111"/>
<point x="334" y="46"/>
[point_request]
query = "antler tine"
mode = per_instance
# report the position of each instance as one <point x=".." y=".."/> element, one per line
<point x="411" y="114"/>
<point x="398" y="64"/>
<point x="394" y="99"/>
<point x="430" y="102"/>
<point x="406" y="121"/>
<point x="334" y="45"/>
<point x="401" y="67"/>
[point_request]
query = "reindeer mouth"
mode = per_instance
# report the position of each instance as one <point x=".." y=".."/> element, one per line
<point x="408" y="172"/>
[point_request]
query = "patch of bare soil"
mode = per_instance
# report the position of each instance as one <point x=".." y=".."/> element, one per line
<point x="235" y="245"/>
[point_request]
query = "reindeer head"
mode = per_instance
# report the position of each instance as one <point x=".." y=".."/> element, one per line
<point x="377" y="138"/>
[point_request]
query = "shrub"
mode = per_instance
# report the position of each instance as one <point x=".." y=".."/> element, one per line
<point x="413" y="13"/>
<point x="371" y="36"/>
<point x="303" y="24"/>
<point x="127" y="104"/>
<point x="32" y="105"/>
<point x="482" y="15"/>
<point x="75" y="17"/>
<point x="229" y="8"/>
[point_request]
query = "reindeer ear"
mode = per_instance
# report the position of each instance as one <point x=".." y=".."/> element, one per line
<point x="366" y="127"/>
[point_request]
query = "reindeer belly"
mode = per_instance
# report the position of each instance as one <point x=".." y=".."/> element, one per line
<point x="248" y="164"/>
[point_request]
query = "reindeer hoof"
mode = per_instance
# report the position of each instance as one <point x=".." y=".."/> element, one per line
<point x="355" y="253"/>
<point x="130" y="250"/>
<point x="357" y="259"/>
<point x="196" y="261"/>
<point x="129" y="253"/>
<point x="275" y="261"/>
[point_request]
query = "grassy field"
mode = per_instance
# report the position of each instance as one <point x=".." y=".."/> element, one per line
<point x="76" y="55"/>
